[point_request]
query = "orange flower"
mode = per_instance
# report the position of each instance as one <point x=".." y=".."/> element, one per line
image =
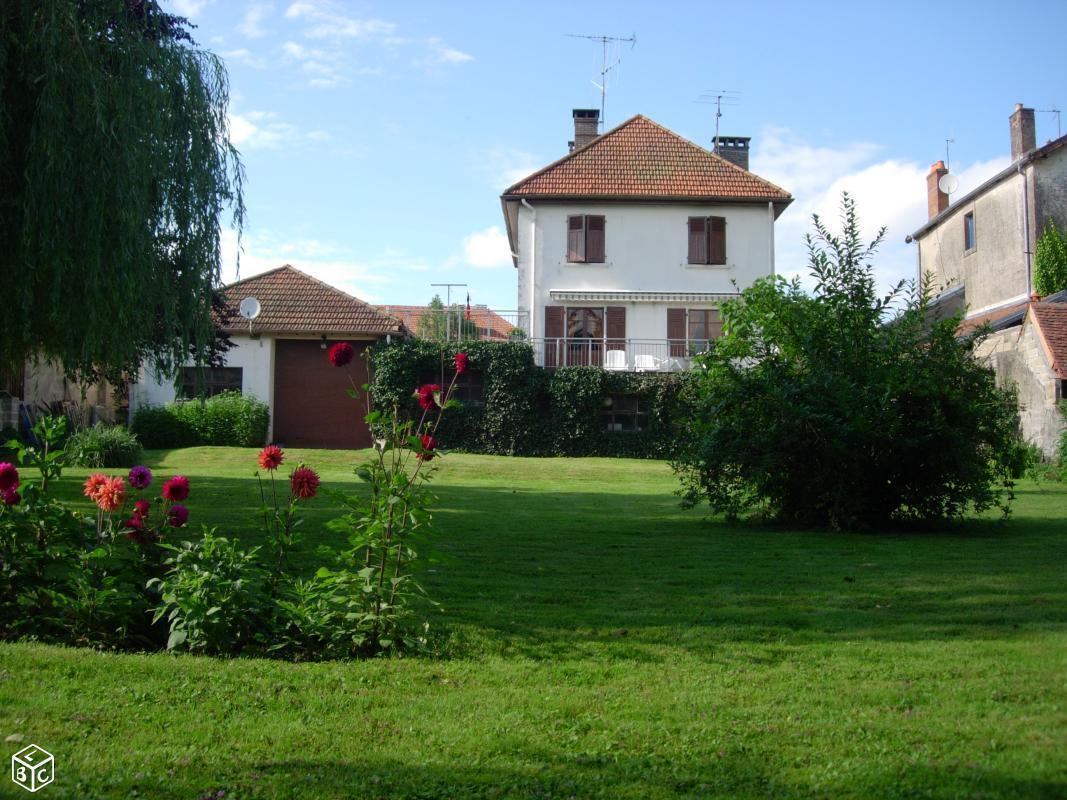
<point x="93" y="485"/>
<point x="111" y="494"/>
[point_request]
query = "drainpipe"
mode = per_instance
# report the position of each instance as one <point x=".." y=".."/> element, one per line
<point x="1026" y="230"/>
<point x="533" y="259"/>
<point x="770" y="216"/>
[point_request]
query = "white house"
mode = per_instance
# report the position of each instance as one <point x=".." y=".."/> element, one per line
<point x="281" y="359"/>
<point x="625" y="246"/>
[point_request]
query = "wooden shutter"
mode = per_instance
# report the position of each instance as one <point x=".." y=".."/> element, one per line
<point x="594" y="239"/>
<point x="717" y="240"/>
<point x="698" y="240"/>
<point x="616" y="327"/>
<point x="576" y="239"/>
<point x="714" y="323"/>
<point x="553" y="334"/>
<point x="676" y="330"/>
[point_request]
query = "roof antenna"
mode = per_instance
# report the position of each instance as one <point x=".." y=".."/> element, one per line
<point x="720" y="97"/>
<point x="1055" y="111"/>
<point x="605" y="68"/>
<point x="948" y="161"/>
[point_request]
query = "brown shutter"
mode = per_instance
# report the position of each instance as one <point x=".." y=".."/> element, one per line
<point x="714" y="323"/>
<point x="553" y="334"/>
<point x="676" y="330"/>
<point x="717" y="243"/>
<point x="698" y="240"/>
<point x="594" y="239"/>
<point x="616" y="327"/>
<point x="576" y="239"/>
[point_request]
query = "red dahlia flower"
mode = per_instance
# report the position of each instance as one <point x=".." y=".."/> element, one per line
<point x="429" y="444"/>
<point x="178" y="515"/>
<point x="140" y="509"/>
<point x="270" y="457"/>
<point x="11" y="497"/>
<point x="9" y="476"/>
<point x="341" y="354"/>
<point x="426" y="396"/>
<point x="304" y="482"/>
<point x="140" y="477"/>
<point x="176" y="489"/>
<point x="462" y="363"/>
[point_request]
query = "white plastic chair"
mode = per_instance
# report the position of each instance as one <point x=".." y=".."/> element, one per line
<point x="645" y="363"/>
<point x="615" y="360"/>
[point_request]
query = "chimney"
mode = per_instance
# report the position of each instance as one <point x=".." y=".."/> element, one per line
<point x="586" y="126"/>
<point x="1023" y="134"/>
<point x="936" y="200"/>
<point x="734" y="149"/>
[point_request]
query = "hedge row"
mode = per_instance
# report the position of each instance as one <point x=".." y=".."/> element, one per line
<point x="227" y="419"/>
<point x="528" y="410"/>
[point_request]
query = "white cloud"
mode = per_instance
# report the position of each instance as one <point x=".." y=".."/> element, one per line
<point x="251" y="26"/>
<point x="888" y="192"/>
<point x="487" y="249"/>
<point x="262" y="130"/>
<point x="189" y="8"/>
<point x="440" y="53"/>
<point x="506" y="166"/>
<point x="244" y="56"/>
<point x="326" y="22"/>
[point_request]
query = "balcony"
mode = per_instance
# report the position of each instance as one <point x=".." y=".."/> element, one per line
<point x="619" y="355"/>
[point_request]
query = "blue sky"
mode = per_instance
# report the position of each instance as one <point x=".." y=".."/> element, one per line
<point x="377" y="136"/>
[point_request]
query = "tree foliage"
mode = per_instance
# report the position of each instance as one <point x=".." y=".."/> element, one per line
<point x="438" y="324"/>
<point x="830" y="410"/>
<point x="1050" y="261"/>
<point x="115" y="171"/>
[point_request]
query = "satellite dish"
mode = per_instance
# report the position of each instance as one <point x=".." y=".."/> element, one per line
<point x="948" y="183"/>
<point x="250" y="308"/>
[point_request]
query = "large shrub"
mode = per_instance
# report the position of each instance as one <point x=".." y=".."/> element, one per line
<point x="821" y="410"/>
<point x="227" y="419"/>
<point x="104" y="446"/>
<point x="1050" y="261"/>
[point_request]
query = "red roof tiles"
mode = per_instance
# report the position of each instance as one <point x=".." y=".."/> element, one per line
<point x="490" y="324"/>
<point x="1051" y="320"/>
<point x="641" y="159"/>
<point x="293" y="302"/>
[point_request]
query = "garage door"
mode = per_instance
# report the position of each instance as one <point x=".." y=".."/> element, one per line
<point x="311" y="404"/>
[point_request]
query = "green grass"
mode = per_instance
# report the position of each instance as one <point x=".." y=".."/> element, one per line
<point x="598" y="641"/>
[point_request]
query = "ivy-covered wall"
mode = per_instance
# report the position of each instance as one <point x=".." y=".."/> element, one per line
<point x="526" y="410"/>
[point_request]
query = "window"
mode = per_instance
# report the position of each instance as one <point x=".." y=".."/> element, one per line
<point x="707" y="240"/>
<point x="585" y="239"/>
<point x="210" y="381"/>
<point x="625" y="412"/>
<point x="690" y="330"/>
<point x="968" y="231"/>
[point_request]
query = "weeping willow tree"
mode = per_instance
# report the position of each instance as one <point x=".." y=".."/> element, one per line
<point x="116" y="171"/>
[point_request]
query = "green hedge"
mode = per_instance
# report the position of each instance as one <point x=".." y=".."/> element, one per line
<point x="227" y="419"/>
<point x="529" y="410"/>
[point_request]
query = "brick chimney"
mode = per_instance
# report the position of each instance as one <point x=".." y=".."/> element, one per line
<point x="1023" y="133"/>
<point x="734" y="149"/>
<point x="936" y="200"/>
<point x="586" y="126"/>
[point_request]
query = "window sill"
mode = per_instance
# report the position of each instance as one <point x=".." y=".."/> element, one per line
<point x="566" y="263"/>
<point x="687" y="265"/>
<point x="971" y="252"/>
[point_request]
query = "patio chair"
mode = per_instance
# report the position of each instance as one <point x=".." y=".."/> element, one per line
<point x="645" y="363"/>
<point x="615" y="360"/>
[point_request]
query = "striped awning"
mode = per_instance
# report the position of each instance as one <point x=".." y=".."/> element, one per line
<point x="593" y="296"/>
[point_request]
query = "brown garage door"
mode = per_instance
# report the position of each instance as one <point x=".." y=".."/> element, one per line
<point x="311" y="404"/>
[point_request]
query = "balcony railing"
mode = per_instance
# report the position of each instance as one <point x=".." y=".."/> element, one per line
<point x="622" y="355"/>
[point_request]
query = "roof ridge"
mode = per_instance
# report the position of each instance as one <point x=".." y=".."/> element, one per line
<point x="256" y="276"/>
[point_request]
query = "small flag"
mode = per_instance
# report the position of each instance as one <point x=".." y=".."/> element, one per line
<point x="468" y="306"/>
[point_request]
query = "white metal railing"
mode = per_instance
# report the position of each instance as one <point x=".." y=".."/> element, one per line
<point x="623" y="355"/>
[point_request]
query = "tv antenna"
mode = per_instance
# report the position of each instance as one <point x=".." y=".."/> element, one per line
<point x="720" y="98"/>
<point x="1055" y="111"/>
<point x="250" y="308"/>
<point x="948" y="161"/>
<point x="605" y="68"/>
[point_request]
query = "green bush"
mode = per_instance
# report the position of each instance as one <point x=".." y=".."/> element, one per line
<point x="824" y="410"/>
<point x="227" y="419"/>
<point x="1050" y="261"/>
<point x="529" y="411"/>
<point x="104" y="446"/>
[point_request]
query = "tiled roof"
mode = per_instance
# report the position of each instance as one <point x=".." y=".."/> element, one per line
<point x="488" y="322"/>
<point x="997" y="315"/>
<point x="1051" y="319"/>
<point x="293" y="302"/>
<point x="641" y="159"/>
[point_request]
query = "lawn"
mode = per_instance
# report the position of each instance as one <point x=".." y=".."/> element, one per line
<point x="598" y="641"/>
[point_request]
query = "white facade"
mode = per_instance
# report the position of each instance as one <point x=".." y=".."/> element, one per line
<point x="645" y="267"/>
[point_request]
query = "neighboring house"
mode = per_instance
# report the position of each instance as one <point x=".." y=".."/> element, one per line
<point x="488" y="324"/>
<point x="40" y="386"/>
<point x="626" y="246"/>
<point x="978" y="252"/>
<point x="280" y="358"/>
